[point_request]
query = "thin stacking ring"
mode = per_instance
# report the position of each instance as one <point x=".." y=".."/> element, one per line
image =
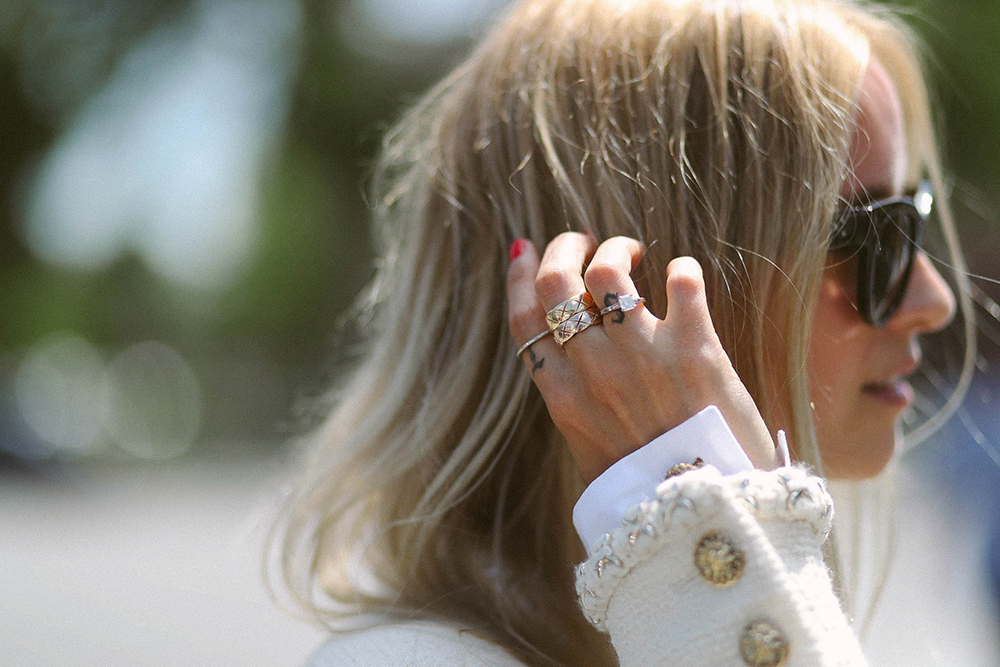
<point x="625" y="303"/>
<point x="532" y="341"/>
<point x="574" y="324"/>
<point x="568" y="309"/>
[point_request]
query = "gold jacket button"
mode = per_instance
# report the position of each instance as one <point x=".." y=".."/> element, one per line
<point x="763" y="645"/>
<point x="718" y="560"/>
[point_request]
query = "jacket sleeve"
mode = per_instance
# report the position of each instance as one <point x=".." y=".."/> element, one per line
<point x="721" y="571"/>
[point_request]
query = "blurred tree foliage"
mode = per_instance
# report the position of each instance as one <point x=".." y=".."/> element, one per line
<point x="314" y="251"/>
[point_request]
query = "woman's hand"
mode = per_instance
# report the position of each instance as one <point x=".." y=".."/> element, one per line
<point x="613" y="388"/>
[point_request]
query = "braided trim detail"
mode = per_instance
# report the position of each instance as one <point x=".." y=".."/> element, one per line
<point x="687" y="501"/>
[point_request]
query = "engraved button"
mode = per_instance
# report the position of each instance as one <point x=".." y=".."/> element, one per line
<point x="718" y="560"/>
<point x="681" y="468"/>
<point x="763" y="645"/>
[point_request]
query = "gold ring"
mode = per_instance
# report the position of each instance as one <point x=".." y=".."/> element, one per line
<point x="568" y="309"/>
<point x="532" y="341"/>
<point x="574" y="324"/>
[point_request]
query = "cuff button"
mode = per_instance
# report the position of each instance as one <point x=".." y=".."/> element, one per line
<point x="763" y="645"/>
<point x="718" y="560"/>
<point x="682" y="468"/>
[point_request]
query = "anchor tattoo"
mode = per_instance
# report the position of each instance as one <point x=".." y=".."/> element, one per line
<point x="536" y="363"/>
<point x="610" y="299"/>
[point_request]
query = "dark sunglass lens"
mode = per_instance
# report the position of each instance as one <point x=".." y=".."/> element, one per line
<point x="884" y="237"/>
<point x="890" y="265"/>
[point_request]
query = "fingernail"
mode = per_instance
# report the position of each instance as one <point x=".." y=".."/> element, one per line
<point x="516" y="248"/>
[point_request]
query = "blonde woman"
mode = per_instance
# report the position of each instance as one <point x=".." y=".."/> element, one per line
<point x="628" y="242"/>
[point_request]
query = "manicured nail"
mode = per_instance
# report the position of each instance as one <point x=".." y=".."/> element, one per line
<point x="516" y="248"/>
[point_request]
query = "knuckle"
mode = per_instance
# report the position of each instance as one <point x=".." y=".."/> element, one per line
<point x="701" y="355"/>
<point x="571" y="237"/>
<point x="553" y="284"/>
<point x="685" y="284"/>
<point x="602" y="273"/>
<point x="697" y="360"/>
<point x="570" y="241"/>
<point x="626" y="242"/>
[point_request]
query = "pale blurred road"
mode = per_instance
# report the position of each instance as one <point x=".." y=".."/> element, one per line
<point x="161" y="566"/>
<point x="143" y="565"/>
<point x="938" y="608"/>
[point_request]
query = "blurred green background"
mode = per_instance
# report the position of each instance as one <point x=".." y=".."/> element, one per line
<point x="182" y="212"/>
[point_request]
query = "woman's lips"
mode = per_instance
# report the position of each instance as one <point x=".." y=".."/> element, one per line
<point x="894" y="392"/>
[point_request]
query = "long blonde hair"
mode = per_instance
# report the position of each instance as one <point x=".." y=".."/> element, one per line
<point x="438" y="487"/>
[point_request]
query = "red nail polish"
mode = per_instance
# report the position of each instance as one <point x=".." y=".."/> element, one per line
<point x="516" y="248"/>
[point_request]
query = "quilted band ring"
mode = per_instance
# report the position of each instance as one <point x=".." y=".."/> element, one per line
<point x="568" y="309"/>
<point x="624" y="303"/>
<point x="574" y="324"/>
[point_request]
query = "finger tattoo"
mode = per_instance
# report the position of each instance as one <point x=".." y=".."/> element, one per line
<point x="610" y="299"/>
<point x="536" y="362"/>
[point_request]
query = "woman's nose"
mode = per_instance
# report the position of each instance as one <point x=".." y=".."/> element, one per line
<point x="929" y="304"/>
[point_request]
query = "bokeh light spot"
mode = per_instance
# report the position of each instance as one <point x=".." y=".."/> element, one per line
<point x="151" y="401"/>
<point x="55" y="393"/>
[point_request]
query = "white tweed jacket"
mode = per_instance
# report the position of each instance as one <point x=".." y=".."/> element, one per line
<point x="713" y="571"/>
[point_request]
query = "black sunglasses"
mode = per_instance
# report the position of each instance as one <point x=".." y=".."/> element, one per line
<point x="884" y="236"/>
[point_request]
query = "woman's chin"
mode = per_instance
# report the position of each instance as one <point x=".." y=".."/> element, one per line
<point x="861" y="455"/>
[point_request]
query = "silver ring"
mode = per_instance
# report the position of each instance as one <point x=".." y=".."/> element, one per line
<point x="626" y="302"/>
<point x="534" y="339"/>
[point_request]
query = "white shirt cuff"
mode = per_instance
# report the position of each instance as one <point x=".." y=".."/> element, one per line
<point x="634" y="478"/>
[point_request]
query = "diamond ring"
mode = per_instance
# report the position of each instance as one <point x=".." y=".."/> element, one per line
<point x="625" y="303"/>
